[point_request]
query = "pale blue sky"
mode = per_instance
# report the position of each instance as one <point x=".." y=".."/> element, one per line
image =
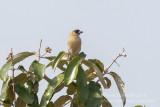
<point x="108" y="26"/>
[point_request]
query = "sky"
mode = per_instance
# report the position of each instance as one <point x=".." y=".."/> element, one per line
<point x="108" y="26"/>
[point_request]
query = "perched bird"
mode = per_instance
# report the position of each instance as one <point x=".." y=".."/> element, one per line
<point x="74" y="43"/>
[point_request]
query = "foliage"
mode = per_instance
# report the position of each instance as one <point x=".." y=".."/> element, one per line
<point x="82" y="88"/>
<point x="139" y="106"/>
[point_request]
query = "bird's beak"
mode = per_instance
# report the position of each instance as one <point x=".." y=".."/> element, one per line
<point x="80" y="32"/>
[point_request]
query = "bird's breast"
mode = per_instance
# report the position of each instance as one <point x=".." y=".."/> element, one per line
<point x="74" y="45"/>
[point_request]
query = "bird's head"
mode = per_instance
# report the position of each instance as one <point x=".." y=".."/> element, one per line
<point x="76" y="32"/>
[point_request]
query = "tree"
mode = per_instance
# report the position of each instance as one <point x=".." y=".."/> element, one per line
<point x="82" y="84"/>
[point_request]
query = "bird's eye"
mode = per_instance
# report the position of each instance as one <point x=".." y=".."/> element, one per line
<point x="77" y="31"/>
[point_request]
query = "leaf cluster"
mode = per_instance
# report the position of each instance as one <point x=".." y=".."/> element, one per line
<point x="82" y="88"/>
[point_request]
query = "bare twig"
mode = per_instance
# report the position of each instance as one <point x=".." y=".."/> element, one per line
<point x="39" y="51"/>
<point x="43" y="55"/>
<point x="114" y="61"/>
<point x="11" y="56"/>
<point x="14" y="69"/>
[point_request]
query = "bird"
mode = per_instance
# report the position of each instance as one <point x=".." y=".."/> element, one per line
<point x="74" y="43"/>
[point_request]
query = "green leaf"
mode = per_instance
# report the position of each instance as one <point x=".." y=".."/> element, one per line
<point x="50" y="58"/>
<point x="20" y="103"/>
<point x="87" y="63"/>
<point x="72" y="69"/>
<point x="120" y="85"/>
<point x="62" y="101"/>
<point x="106" y="103"/>
<point x="71" y="89"/>
<point x="50" y="104"/>
<point x="139" y="106"/>
<point x="57" y="60"/>
<point x="56" y="80"/>
<point x="7" y="93"/>
<point x="98" y="63"/>
<point x="20" y="67"/>
<point x="7" y="105"/>
<point x="82" y="88"/>
<point x="82" y="55"/>
<point x="108" y="82"/>
<point x="99" y="74"/>
<point x="95" y="95"/>
<point x="5" y="68"/>
<point x="51" y="89"/>
<point x="21" y="78"/>
<point x="24" y="93"/>
<point x="38" y="69"/>
<point x="90" y="73"/>
<point x="97" y="66"/>
<point x="3" y="96"/>
<point x="59" y="87"/>
<point x="21" y="56"/>
<point x="47" y="96"/>
<point x="50" y="64"/>
<point x="30" y="86"/>
<point x="35" y="103"/>
<point x="60" y="64"/>
<point x="10" y="92"/>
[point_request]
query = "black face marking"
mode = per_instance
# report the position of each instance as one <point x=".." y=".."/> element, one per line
<point x="77" y="31"/>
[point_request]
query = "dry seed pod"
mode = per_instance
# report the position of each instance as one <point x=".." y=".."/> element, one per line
<point x="48" y="50"/>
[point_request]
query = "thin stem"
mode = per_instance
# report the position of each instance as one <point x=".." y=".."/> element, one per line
<point x="39" y="51"/>
<point x="11" y="55"/>
<point x="114" y="60"/>
<point x="43" y="55"/>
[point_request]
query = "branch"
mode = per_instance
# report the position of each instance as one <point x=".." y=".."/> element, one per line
<point x="114" y="61"/>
